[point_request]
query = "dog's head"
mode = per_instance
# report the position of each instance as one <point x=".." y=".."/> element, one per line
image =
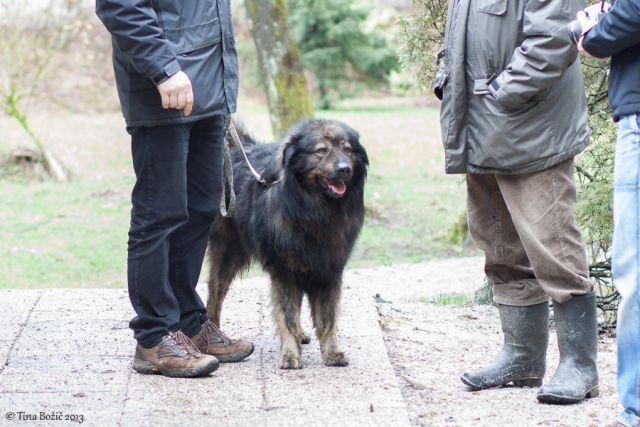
<point x="326" y="156"/>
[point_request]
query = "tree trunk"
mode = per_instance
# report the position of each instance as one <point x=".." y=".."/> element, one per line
<point x="280" y="67"/>
<point x="50" y="163"/>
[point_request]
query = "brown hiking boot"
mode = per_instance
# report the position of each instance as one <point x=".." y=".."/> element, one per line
<point x="211" y="340"/>
<point x="175" y="356"/>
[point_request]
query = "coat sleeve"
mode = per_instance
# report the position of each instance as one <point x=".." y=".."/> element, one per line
<point x="133" y="25"/>
<point x="545" y="53"/>
<point x="616" y="31"/>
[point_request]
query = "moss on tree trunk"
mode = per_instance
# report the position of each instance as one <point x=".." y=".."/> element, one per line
<point x="280" y="67"/>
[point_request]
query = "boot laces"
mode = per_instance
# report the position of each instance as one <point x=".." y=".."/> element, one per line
<point x="208" y="331"/>
<point x="185" y="344"/>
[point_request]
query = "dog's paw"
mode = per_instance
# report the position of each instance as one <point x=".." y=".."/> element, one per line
<point x="290" y="361"/>
<point x="304" y="338"/>
<point x="336" y="359"/>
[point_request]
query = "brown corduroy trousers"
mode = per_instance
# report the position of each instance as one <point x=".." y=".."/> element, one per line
<point x="525" y="225"/>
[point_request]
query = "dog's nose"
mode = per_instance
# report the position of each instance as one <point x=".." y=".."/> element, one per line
<point x="344" y="170"/>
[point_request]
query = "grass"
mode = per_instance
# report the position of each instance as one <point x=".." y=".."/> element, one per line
<point x="61" y="235"/>
<point x="449" y="299"/>
<point x="74" y="234"/>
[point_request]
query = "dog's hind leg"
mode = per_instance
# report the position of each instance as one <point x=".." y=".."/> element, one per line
<point x="305" y="338"/>
<point x="286" y="300"/>
<point x="325" y="303"/>
<point x="226" y="259"/>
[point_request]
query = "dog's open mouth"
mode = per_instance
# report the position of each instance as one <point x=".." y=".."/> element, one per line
<point x="335" y="189"/>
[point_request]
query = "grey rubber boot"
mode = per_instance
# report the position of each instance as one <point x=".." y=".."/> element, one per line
<point x="577" y="375"/>
<point x="521" y="360"/>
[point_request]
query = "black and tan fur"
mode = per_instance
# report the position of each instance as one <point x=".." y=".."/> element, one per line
<point x="302" y="230"/>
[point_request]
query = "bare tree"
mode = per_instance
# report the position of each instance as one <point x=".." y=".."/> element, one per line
<point x="31" y="33"/>
<point x="279" y="59"/>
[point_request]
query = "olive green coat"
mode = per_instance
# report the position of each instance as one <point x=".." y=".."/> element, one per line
<point x="512" y="92"/>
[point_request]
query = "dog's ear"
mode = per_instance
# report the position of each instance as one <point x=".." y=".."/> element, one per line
<point x="354" y="139"/>
<point x="353" y="135"/>
<point x="284" y="154"/>
<point x="295" y="134"/>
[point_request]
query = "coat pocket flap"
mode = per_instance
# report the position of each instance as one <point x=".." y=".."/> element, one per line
<point x="481" y="87"/>
<point x="192" y="38"/>
<point x="493" y="7"/>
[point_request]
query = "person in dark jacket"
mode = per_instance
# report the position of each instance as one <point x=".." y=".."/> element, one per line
<point x="617" y="35"/>
<point x="177" y="77"/>
<point x="513" y="117"/>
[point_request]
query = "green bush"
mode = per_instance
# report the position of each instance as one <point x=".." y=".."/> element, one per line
<point x="595" y="166"/>
<point x="336" y="48"/>
<point x="422" y="36"/>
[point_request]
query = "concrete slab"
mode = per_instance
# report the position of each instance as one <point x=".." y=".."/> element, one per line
<point x="15" y="305"/>
<point x="61" y="382"/>
<point x="74" y="355"/>
<point x="5" y="347"/>
<point x="122" y="314"/>
<point x="78" y="364"/>
<point x="10" y="332"/>
<point x="80" y="300"/>
<point x="177" y="415"/>
<point x="74" y="328"/>
<point x="73" y="335"/>
<point x="113" y="344"/>
<point x="330" y="417"/>
<point x="19" y="299"/>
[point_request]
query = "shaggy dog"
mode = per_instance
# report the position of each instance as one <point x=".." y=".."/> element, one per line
<point x="301" y="229"/>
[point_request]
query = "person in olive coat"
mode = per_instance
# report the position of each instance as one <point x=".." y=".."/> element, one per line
<point x="513" y="117"/>
<point x="176" y="71"/>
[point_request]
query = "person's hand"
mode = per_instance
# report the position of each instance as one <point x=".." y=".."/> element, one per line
<point x="581" y="49"/>
<point x="596" y="10"/>
<point x="589" y="17"/>
<point x="176" y="92"/>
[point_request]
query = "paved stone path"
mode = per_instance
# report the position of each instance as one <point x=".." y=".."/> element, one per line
<point x="67" y="353"/>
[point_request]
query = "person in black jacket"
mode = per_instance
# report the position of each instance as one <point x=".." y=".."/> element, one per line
<point x="616" y="34"/>
<point x="177" y="77"/>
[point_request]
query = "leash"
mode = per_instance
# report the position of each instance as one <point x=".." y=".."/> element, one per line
<point x="232" y="139"/>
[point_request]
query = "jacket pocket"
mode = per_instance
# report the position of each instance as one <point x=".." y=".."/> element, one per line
<point x="178" y="14"/>
<point x="189" y="25"/>
<point x="493" y="7"/>
<point x="495" y="30"/>
<point x="189" y="39"/>
<point x="508" y="140"/>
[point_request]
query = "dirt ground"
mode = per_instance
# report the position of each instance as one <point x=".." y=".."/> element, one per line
<point x="431" y="345"/>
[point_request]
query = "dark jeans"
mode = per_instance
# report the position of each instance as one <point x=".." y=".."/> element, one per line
<point x="175" y="198"/>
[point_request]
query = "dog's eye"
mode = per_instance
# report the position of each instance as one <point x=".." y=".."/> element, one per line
<point x="322" y="150"/>
<point x="348" y="151"/>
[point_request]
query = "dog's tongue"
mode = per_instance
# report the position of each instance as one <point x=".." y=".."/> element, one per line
<point x="338" y="187"/>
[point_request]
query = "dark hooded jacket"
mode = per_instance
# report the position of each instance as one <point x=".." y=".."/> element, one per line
<point x="513" y="96"/>
<point x="154" y="39"/>
<point x="618" y="35"/>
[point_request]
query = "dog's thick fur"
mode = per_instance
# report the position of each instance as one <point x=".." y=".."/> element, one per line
<point x="302" y="229"/>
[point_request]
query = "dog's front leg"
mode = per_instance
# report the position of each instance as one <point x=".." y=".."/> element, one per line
<point x="325" y="303"/>
<point x="286" y="303"/>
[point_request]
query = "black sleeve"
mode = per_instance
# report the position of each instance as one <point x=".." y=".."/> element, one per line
<point x="616" y="31"/>
<point x="133" y="24"/>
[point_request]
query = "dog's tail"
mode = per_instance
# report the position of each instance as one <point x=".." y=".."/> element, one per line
<point x="245" y="136"/>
